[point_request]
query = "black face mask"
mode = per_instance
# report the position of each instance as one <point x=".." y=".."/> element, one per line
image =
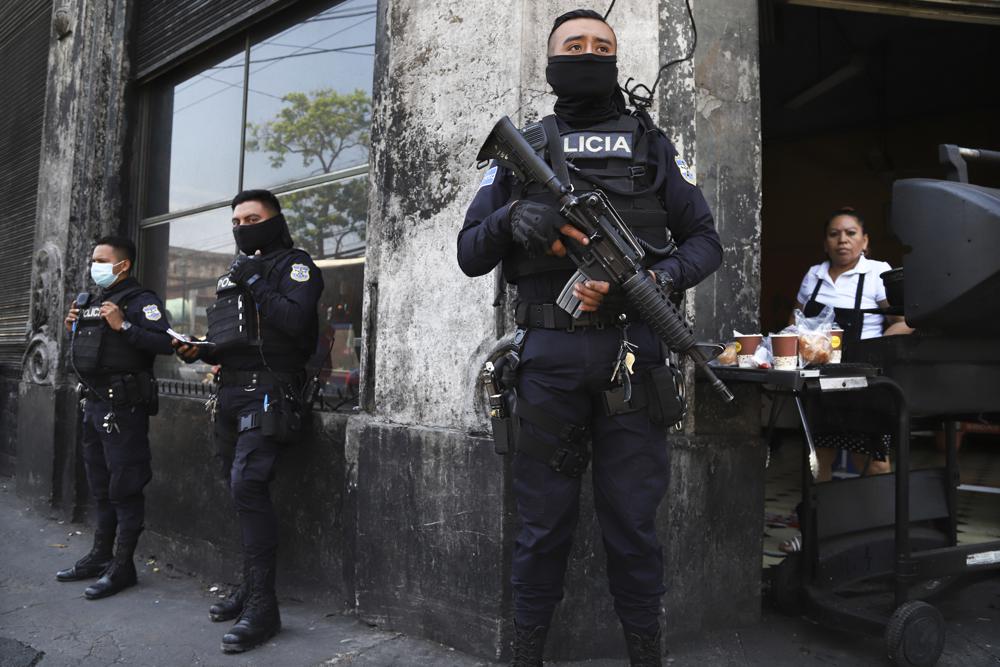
<point x="263" y="235"/>
<point x="586" y="87"/>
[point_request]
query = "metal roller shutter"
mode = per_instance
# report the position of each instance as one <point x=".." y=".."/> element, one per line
<point x="170" y="30"/>
<point x="24" y="52"/>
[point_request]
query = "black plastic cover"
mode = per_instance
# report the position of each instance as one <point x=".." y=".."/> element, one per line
<point x="952" y="269"/>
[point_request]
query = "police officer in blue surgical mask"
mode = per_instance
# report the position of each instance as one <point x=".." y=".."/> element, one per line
<point x="114" y="337"/>
<point x="569" y="368"/>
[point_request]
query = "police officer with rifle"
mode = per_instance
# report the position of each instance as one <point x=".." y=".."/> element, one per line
<point x="114" y="339"/>
<point x="597" y="220"/>
<point x="262" y="329"/>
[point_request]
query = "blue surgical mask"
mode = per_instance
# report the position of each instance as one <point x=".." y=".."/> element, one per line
<point x="103" y="274"/>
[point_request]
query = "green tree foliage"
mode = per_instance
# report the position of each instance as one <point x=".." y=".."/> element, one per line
<point x="323" y="128"/>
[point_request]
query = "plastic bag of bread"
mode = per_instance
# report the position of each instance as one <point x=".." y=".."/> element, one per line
<point x="815" y="348"/>
<point x="728" y="356"/>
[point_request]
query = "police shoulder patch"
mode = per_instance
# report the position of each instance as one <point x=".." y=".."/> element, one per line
<point x="489" y="177"/>
<point x="300" y="273"/>
<point x="152" y="312"/>
<point x="686" y="172"/>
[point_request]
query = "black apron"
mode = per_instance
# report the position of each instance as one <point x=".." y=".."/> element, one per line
<point x="851" y="320"/>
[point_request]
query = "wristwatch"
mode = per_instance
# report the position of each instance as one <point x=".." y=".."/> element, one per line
<point x="126" y="325"/>
<point x="664" y="280"/>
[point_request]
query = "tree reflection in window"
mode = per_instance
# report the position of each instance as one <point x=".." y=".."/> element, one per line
<point x="326" y="130"/>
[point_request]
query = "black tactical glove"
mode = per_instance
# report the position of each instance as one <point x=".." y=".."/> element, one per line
<point x="535" y="226"/>
<point x="244" y="270"/>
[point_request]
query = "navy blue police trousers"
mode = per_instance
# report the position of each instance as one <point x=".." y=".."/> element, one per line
<point x="565" y="374"/>
<point x="117" y="463"/>
<point x="249" y="460"/>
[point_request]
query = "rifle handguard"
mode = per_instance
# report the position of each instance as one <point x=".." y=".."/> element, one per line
<point x="665" y="320"/>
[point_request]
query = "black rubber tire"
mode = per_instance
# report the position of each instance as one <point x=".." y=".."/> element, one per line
<point x="786" y="586"/>
<point x="914" y="636"/>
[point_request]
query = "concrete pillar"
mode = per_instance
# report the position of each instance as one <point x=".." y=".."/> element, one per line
<point x="78" y="200"/>
<point x="712" y="515"/>
<point x="434" y="509"/>
<point x="431" y="497"/>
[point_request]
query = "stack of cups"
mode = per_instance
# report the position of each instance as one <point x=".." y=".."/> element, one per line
<point x="785" y="348"/>
<point x="746" y="346"/>
<point x="836" y="345"/>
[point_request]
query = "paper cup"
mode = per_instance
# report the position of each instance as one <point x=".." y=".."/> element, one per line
<point x="836" y="345"/>
<point x="785" y="348"/>
<point x="745" y="348"/>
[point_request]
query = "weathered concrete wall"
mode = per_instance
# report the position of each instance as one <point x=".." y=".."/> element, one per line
<point x="191" y="521"/>
<point x="432" y="545"/>
<point x="711" y="108"/>
<point x="8" y="424"/>
<point x="432" y="496"/>
<point x="78" y="200"/>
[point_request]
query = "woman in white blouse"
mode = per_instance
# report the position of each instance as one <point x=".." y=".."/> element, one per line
<point x="850" y="283"/>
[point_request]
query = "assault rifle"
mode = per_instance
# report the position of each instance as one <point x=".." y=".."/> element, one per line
<point x="613" y="254"/>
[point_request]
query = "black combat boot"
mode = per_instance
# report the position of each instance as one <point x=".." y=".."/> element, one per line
<point x="93" y="564"/>
<point x="232" y="606"/>
<point x="260" y="619"/>
<point x="121" y="573"/>
<point x="644" y="648"/>
<point x="529" y="646"/>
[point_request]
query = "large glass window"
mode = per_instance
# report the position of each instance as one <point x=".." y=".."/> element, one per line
<point x="289" y="111"/>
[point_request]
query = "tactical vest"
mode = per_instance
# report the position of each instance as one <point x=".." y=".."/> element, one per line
<point x="237" y="328"/>
<point x="99" y="350"/>
<point x="618" y="157"/>
<point x="232" y="319"/>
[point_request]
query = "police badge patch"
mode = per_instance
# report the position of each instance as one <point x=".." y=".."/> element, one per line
<point x="300" y="273"/>
<point x="489" y="177"/>
<point x="686" y="172"/>
<point x="152" y="312"/>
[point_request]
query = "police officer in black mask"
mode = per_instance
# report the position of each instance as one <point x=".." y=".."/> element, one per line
<point x="115" y="337"/>
<point x="565" y="416"/>
<point x="262" y="328"/>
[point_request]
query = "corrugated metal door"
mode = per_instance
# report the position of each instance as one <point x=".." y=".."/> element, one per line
<point x="171" y="30"/>
<point x="24" y="54"/>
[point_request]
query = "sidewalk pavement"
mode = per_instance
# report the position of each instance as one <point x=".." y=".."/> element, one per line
<point x="164" y="621"/>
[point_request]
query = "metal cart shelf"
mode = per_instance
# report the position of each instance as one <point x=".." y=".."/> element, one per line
<point x="874" y="548"/>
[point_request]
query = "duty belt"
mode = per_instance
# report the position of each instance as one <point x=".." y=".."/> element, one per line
<point x="551" y="316"/>
<point x="236" y="378"/>
<point x="103" y="382"/>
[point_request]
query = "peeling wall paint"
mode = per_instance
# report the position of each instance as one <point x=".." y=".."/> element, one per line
<point x="433" y="107"/>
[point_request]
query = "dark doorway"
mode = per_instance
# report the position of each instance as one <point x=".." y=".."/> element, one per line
<point x="850" y="103"/>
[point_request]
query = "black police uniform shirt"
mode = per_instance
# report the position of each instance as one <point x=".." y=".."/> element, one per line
<point x="485" y="238"/>
<point x="145" y="312"/>
<point x="287" y="299"/>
